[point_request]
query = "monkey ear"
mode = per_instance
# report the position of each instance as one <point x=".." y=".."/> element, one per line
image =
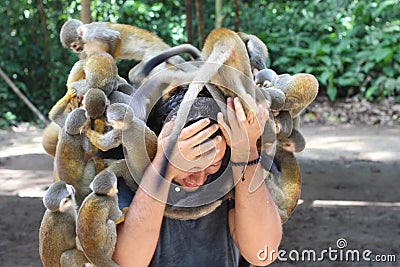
<point x="91" y="186"/>
<point x="70" y="189"/>
<point x="80" y="30"/>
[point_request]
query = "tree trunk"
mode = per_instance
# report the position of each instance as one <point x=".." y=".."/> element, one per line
<point x="85" y="12"/>
<point x="236" y="15"/>
<point x="189" y="32"/>
<point x="218" y="15"/>
<point x="200" y="22"/>
<point x="23" y="97"/>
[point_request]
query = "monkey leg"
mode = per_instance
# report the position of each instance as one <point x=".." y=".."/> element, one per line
<point x="55" y="173"/>
<point x="102" y="253"/>
<point x="120" y="169"/>
<point x="286" y="188"/>
<point x="99" y="164"/>
<point x="73" y="258"/>
<point x="50" y="138"/>
<point x="135" y="75"/>
<point x="82" y="188"/>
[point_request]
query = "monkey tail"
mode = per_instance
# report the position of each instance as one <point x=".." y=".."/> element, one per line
<point x="174" y="51"/>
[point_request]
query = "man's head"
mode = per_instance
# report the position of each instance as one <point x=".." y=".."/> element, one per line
<point x="203" y="107"/>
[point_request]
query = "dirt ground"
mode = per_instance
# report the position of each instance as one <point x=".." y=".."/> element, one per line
<point x="350" y="200"/>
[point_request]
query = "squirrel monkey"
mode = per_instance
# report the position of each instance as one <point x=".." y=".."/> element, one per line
<point x="257" y="51"/>
<point x="97" y="71"/>
<point x="57" y="233"/>
<point x="72" y="146"/>
<point x="100" y="71"/>
<point x="120" y="40"/>
<point x="138" y="141"/>
<point x="97" y="219"/>
<point x="300" y="90"/>
<point x="57" y="116"/>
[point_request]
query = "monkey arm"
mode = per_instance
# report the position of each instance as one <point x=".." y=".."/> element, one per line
<point x="116" y="214"/>
<point x="105" y="141"/>
<point x="120" y="169"/>
<point x="59" y="112"/>
<point x="76" y="73"/>
<point x="122" y="219"/>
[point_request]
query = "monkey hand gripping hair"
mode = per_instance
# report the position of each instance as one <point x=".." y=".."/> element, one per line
<point x="97" y="219"/>
<point x="57" y="233"/>
<point x="120" y="40"/>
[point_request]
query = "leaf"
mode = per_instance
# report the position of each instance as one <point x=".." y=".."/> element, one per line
<point x="347" y="81"/>
<point x="326" y="60"/>
<point x="377" y="12"/>
<point x="382" y="54"/>
<point x="331" y="92"/>
<point x="325" y="76"/>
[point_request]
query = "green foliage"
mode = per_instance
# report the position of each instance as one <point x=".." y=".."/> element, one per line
<point x="351" y="46"/>
<point x="32" y="57"/>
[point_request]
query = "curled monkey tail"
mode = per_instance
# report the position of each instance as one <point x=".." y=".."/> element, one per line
<point x="174" y="51"/>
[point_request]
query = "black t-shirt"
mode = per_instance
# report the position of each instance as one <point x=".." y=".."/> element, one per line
<point x="202" y="242"/>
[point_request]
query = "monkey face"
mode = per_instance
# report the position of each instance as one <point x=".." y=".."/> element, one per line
<point x="119" y="125"/>
<point x="77" y="46"/>
<point x="65" y="203"/>
<point x="113" y="190"/>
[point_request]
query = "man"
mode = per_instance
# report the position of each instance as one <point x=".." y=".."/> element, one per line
<point x="245" y="226"/>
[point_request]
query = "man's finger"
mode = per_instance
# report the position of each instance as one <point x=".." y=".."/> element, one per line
<point x="224" y="127"/>
<point x="194" y="128"/>
<point x="167" y="128"/>
<point x="239" y="110"/>
<point x="204" y="134"/>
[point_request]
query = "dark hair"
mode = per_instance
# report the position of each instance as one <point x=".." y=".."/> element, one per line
<point x="204" y="107"/>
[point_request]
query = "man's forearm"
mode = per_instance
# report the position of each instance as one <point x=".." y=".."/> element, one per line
<point x="138" y="235"/>
<point x="257" y="221"/>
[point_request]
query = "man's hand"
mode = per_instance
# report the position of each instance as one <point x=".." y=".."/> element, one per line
<point x="242" y="132"/>
<point x="193" y="151"/>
